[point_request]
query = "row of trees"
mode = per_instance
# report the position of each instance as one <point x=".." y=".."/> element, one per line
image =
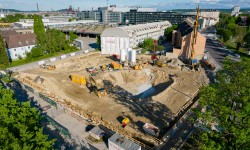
<point x="227" y="103"/>
<point x="16" y="18"/>
<point x="50" y="41"/>
<point x="20" y="126"/>
<point x="4" y="59"/>
<point x="228" y="27"/>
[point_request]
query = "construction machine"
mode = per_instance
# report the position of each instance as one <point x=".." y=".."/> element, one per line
<point x="125" y="122"/>
<point x="48" y="67"/>
<point x="116" y="66"/>
<point x="96" y="85"/>
<point x="161" y="63"/>
<point x="195" y="62"/>
<point x="154" y="57"/>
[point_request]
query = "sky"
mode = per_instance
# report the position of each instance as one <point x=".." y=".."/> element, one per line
<point x="46" y="5"/>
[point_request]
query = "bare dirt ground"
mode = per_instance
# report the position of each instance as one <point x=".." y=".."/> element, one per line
<point x="152" y="95"/>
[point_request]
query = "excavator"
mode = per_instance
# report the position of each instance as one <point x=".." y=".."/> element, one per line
<point x="96" y="85"/>
<point x="194" y="62"/>
<point x="155" y="59"/>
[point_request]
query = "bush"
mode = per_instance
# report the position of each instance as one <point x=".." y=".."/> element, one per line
<point x="36" y="52"/>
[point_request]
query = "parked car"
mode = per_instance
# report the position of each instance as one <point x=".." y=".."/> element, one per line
<point x="237" y="55"/>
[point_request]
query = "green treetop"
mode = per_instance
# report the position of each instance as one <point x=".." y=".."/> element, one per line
<point x="4" y="60"/>
<point x="20" y="126"/>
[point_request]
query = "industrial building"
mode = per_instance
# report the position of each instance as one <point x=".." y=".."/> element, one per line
<point x="135" y="17"/>
<point x="90" y="15"/>
<point x="113" y="40"/>
<point x="18" y="45"/>
<point x="118" y="142"/>
<point x="182" y="39"/>
<point x="111" y="14"/>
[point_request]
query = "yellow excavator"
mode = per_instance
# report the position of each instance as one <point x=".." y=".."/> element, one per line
<point x="96" y="85"/>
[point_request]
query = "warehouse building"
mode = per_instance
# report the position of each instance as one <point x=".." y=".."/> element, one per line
<point x="113" y="40"/>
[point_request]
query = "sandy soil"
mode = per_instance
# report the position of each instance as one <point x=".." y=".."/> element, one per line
<point x="170" y="89"/>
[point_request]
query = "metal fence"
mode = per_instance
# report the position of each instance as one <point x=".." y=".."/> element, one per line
<point x="53" y="103"/>
<point x="59" y="127"/>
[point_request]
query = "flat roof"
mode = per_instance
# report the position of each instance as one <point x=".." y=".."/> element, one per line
<point x="124" y="142"/>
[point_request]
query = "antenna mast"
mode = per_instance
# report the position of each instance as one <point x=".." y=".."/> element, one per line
<point x="37" y="7"/>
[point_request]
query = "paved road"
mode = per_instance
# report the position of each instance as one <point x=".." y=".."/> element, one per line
<point x="36" y="65"/>
<point x="216" y="51"/>
<point x="75" y="127"/>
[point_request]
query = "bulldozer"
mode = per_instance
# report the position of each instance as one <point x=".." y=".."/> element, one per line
<point x="95" y="84"/>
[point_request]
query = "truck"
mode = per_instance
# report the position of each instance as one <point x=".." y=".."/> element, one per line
<point x="151" y="129"/>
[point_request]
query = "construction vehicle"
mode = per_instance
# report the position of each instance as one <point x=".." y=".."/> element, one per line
<point x="151" y="129"/>
<point x="208" y="64"/>
<point x="138" y="67"/>
<point x="48" y="67"/>
<point x="161" y="63"/>
<point x="194" y="62"/>
<point x="154" y="57"/>
<point x="96" y="85"/>
<point x="116" y="66"/>
<point x="78" y="79"/>
<point x="125" y="122"/>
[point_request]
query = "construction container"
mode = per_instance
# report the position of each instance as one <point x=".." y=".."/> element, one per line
<point x="78" y="79"/>
<point x="118" y="142"/>
<point x="151" y="129"/>
<point x="116" y="65"/>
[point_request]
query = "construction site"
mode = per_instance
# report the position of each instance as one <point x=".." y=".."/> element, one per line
<point x="135" y="95"/>
<point x="100" y="88"/>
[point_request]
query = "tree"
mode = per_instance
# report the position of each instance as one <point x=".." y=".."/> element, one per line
<point x="72" y="37"/>
<point x="247" y="39"/>
<point x="4" y="60"/>
<point x="39" y="31"/>
<point x="240" y="34"/>
<point x="55" y="41"/>
<point x="168" y="32"/>
<point x="227" y="103"/>
<point x="36" y="52"/>
<point x="226" y="34"/>
<point x="20" y="126"/>
<point x="98" y="41"/>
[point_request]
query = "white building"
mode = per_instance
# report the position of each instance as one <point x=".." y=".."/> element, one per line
<point x="113" y="40"/>
<point x="207" y="17"/>
<point x="18" y="45"/>
<point x="235" y="11"/>
<point x="30" y="24"/>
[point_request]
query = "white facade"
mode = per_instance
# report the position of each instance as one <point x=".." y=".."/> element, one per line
<point x="55" y="24"/>
<point x="113" y="40"/>
<point x="235" y="11"/>
<point x="14" y="53"/>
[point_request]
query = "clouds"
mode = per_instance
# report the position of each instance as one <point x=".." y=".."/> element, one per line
<point x="88" y="4"/>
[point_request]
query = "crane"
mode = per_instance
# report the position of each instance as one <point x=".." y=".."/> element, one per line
<point x="194" y="38"/>
<point x="154" y="57"/>
<point x="37" y="7"/>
